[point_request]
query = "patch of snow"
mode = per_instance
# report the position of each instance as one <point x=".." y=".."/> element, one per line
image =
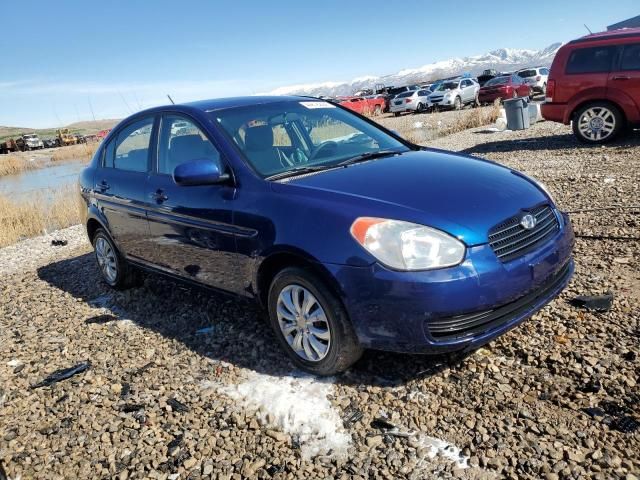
<point x="14" y="363"/>
<point x="442" y="449"/>
<point x="298" y="405"/>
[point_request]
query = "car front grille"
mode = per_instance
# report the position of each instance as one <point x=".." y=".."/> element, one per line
<point x="510" y="240"/>
<point x="460" y="326"/>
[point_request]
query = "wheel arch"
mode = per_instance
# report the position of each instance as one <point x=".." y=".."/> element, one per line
<point x="284" y="258"/>
<point x="585" y="103"/>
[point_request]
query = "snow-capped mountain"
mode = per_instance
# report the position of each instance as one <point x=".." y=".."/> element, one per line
<point x="502" y="59"/>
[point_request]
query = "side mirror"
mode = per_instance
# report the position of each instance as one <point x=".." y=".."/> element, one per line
<point x="201" y="171"/>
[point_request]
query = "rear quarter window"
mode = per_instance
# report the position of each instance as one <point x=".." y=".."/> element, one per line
<point x="590" y="60"/>
<point x="630" y="57"/>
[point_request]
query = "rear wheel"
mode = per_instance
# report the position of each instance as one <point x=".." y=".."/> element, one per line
<point x="115" y="270"/>
<point x="420" y="108"/>
<point x="377" y="111"/>
<point x="311" y="324"/>
<point x="396" y="114"/>
<point x="598" y="122"/>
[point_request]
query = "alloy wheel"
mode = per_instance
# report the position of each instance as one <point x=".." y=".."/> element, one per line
<point x="303" y="323"/>
<point x="106" y="260"/>
<point x="597" y="123"/>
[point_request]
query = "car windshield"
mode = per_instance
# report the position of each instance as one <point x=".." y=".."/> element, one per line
<point x="527" y="73"/>
<point x="497" y="81"/>
<point x="447" y="86"/>
<point x="30" y="136"/>
<point x="291" y="136"/>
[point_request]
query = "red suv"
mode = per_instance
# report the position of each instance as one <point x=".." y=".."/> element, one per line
<point x="595" y="84"/>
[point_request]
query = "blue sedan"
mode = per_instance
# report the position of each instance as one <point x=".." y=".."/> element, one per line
<point x="349" y="236"/>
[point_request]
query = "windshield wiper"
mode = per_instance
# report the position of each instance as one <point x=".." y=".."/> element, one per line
<point x="298" y="171"/>
<point x="363" y="157"/>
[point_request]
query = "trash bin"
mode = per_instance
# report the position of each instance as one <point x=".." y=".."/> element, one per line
<point x="517" y="113"/>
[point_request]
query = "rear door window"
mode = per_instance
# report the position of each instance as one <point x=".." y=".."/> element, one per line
<point x="131" y="147"/>
<point x="630" y="57"/>
<point x="590" y="60"/>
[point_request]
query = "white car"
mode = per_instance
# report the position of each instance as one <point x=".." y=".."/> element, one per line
<point x="455" y="94"/>
<point x="536" y="78"/>
<point x="411" y="101"/>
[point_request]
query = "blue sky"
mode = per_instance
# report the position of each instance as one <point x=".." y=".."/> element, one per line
<point x="115" y="57"/>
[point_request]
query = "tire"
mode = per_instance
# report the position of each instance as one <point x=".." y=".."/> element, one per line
<point x="457" y="103"/>
<point x="419" y="108"/>
<point x="377" y="110"/>
<point x="124" y="276"/>
<point x="586" y="131"/>
<point x="337" y="346"/>
<point x="396" y="114"/>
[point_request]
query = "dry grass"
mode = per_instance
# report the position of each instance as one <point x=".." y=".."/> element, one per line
<point x="38" y="214"/>
<point x="83" y="151"/>
<point x="14" y="163"/>
<point x="478" y="117"/>
<point x="420" y="129"/>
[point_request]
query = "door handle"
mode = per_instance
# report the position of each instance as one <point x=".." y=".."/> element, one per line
<point x="621" y="77"/>
<point x="104" y="186"/>
<point x="158" y="196"/>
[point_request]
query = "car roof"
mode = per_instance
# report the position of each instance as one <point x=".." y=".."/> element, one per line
<point x="222" y="103"/>
<point x="610" y="35"/>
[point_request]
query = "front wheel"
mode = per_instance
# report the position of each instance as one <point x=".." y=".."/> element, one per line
<point x="311" y="323"/>
<point x="457" y="103"/>
<point x="420" y="108"/>
<point x="396" y="114"/>
<point x="598" y="122"/>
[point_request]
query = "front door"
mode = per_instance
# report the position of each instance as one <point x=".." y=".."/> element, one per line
<point x="191" y="226"/>
<point x="120" y="187"/>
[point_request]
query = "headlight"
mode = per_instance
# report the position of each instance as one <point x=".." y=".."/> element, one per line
<point x="405" y="245"/>
<point x="545" y="189"/>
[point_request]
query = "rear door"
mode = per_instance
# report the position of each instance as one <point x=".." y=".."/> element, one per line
<point x="587" y="68"/>
<point x="191" y="226"/>
<point x="626" y="75"/>
<point x="119" y="188"/>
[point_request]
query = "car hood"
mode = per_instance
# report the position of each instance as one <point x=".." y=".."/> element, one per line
<point x="459" y="194"/>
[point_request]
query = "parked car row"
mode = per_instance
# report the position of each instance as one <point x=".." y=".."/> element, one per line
<point x="31" y="141"/>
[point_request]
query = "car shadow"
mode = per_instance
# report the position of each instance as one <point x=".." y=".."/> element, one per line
<point x="550" y="142"/>
<point x="220" y="327"/>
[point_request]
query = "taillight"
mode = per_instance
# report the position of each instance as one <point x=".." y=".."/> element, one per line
<point x="551" y="86"/>
<point x="538" y="78"/>
<point x="408" y="100"/>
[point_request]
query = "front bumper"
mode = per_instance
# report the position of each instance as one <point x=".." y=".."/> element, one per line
<point x="412" y="311"/>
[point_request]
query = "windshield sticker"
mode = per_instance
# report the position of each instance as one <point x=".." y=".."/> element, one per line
<point x="317" y="105"/>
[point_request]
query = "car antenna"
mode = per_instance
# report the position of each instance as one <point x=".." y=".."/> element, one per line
<point x="171" y="99"/>
<point x="588" y="30"/>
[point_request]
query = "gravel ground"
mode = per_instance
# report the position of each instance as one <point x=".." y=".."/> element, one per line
<point x="186" y="384"/>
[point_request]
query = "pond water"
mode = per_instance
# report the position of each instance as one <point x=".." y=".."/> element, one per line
<point x="47" y="178"/>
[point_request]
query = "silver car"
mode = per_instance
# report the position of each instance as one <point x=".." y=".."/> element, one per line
<point x="412" y="101"/>
<point x="536" y="78"/>
<point x="455" y="94"/>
